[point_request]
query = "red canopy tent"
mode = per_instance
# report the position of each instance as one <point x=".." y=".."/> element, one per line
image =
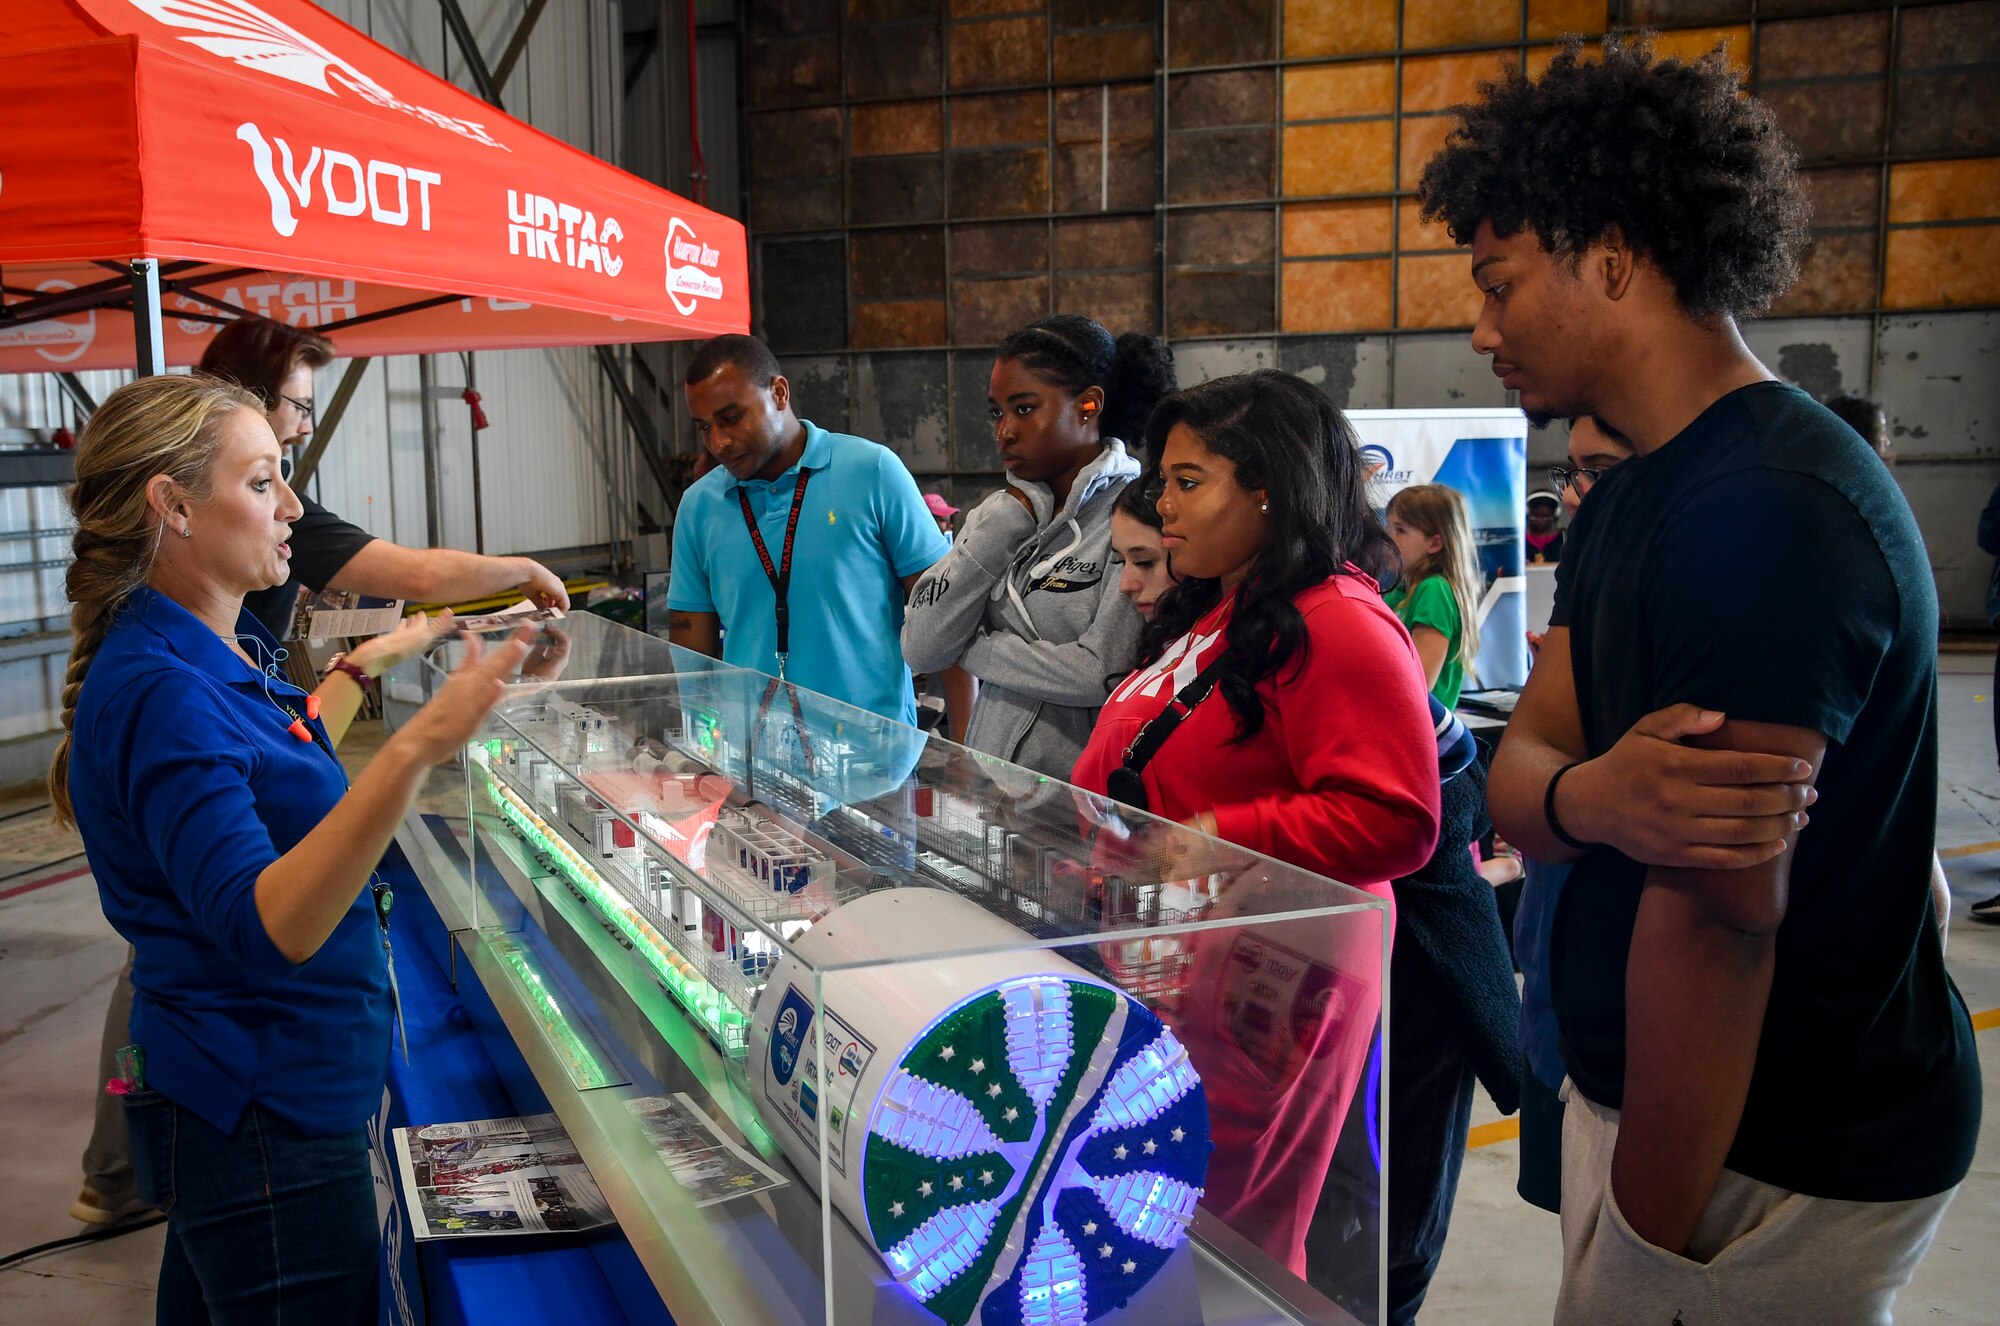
<point x="273" y="160"/>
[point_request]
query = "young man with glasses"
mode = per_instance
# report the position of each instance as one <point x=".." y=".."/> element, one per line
<point x="1765" y="1053"/>
<point x="276" y="362"/>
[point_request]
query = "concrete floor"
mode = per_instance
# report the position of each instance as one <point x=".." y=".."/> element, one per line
<point x="58" y="959"/>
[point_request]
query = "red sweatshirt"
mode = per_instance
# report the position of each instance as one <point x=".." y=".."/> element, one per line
<point x="1342" y="780"/>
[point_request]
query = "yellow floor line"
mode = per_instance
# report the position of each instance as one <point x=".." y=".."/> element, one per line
<point x="1486" y="1134"/>
<point x="1507" y="1130"/>
<point x="1970" y="849"/>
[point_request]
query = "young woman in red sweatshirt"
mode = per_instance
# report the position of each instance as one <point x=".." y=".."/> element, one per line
<point x="1315" y="747"/>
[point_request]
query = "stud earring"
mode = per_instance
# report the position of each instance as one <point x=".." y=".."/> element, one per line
<point x="1264" y="507"/>
<point x="185" y="532"/>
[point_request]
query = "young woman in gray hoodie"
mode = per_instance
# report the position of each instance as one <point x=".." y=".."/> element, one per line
<point x="1026" y="601"/>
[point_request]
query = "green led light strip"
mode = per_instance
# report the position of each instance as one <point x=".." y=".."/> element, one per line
<point x="579" y="1060"/>
<point x="720" y="1018"/>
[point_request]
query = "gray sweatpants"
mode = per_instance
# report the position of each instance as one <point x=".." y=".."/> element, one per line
<point x="107" y="1161"/>
<point x="1761" y="1256"/>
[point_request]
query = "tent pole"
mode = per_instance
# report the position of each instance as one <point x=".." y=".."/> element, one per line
<point x="329" y="421"/>
<point x="146" y="333"/>
<point x="433" y="479"/>
<point x="478" y="499"/>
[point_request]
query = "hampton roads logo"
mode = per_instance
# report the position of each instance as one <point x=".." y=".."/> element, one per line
<point x="690" y="268"/>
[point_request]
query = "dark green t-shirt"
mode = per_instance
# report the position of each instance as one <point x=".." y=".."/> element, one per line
<point x="1433" y="604"/>
<point x="1764" y="564"/>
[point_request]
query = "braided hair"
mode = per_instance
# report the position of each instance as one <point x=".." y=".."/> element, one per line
<point x="1076" y="353"/>
<point x="166" y="425"/>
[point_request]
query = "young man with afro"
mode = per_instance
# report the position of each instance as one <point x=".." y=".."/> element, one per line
<point x="1773" y="1089"/>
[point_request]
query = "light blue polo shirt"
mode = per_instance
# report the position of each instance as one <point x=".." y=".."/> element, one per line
<point x="863" y="528"/>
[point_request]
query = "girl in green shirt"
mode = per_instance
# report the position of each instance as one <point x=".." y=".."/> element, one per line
<point x="1438" y="597"/>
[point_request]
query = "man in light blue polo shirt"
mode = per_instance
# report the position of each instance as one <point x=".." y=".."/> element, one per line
<point x="838" y="524"/>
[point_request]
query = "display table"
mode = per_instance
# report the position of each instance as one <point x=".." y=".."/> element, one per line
<point x="962" y="1012"/>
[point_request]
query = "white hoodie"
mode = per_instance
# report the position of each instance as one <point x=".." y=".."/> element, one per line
<point x="1029" y="605"/>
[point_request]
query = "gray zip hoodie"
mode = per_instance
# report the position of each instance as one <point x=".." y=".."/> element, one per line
<point x="1028" y="604"/>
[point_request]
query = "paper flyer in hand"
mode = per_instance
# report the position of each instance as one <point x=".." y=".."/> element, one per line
<point x="507" y="618"/>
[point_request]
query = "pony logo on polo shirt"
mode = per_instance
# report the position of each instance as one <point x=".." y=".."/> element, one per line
<point x="690" y="264"/>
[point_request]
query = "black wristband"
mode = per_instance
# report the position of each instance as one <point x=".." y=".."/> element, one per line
<point x="1549" y="810"/>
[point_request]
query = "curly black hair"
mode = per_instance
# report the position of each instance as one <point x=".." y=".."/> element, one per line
<point x="1695" y="175"/>
<point x="1289" y="441"/>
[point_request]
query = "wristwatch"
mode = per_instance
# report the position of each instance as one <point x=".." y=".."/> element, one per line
<point x="340" y="663"/>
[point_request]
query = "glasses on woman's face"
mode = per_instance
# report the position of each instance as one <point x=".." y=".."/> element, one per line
<point x="1562" y="476"/>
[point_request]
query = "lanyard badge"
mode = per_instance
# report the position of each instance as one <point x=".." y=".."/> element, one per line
<point x="780" y="573"/>
<point x="385" y="898"/>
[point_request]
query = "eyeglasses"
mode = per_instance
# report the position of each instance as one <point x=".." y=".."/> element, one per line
<point x="1562" y="476"/>
<point x="303" y="407"/>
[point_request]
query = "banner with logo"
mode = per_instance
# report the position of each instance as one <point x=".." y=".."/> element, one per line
<point x="278" y="162"/>
<point x="1483" y="453"/>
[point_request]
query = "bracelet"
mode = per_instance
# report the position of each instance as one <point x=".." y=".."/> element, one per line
<point x="341" y="663"/>
<point x="1549" y="810"/>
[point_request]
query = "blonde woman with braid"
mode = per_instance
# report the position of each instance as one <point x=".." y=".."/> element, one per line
<point x="229" y="848"/>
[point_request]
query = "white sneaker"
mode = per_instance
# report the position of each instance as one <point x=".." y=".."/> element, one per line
<point x="92" y="1209"/>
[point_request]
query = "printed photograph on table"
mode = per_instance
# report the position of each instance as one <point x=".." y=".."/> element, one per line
<point x="710" y="1166"/>
<point x="496" y="1176"/>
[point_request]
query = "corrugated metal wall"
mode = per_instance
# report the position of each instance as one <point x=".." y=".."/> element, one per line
<point x="543" y="484"/>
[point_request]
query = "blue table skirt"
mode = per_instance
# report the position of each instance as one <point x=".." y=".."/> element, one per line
<point x="519" y="1280"/>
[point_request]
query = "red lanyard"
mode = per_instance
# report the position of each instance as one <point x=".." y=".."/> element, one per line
<point x="779" y="575"/>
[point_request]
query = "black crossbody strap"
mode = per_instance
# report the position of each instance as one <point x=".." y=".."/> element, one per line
<point x="1163" y="724"/>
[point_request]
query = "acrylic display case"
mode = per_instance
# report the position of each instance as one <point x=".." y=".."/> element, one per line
<point x="1021" y="1055"/>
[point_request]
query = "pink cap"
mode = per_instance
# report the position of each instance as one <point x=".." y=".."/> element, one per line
<point x="939" y="507"/>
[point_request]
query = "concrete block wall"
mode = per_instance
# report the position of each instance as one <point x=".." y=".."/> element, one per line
<point x="922" y="176"/>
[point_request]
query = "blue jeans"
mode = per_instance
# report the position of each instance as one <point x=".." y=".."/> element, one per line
<point x="263" y="1225"/>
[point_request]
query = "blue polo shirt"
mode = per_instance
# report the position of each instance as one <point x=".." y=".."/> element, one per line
<point x="863" y="528"/>
<point x="187" y="785"/>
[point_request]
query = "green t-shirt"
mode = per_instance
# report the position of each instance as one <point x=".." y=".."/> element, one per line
<point x="1433" y="604"/>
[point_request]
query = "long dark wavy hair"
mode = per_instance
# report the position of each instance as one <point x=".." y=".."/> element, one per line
<point x="1289" y="441"/>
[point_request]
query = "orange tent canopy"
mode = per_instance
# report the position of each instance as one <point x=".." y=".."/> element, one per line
<point x="275" y="161"/>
